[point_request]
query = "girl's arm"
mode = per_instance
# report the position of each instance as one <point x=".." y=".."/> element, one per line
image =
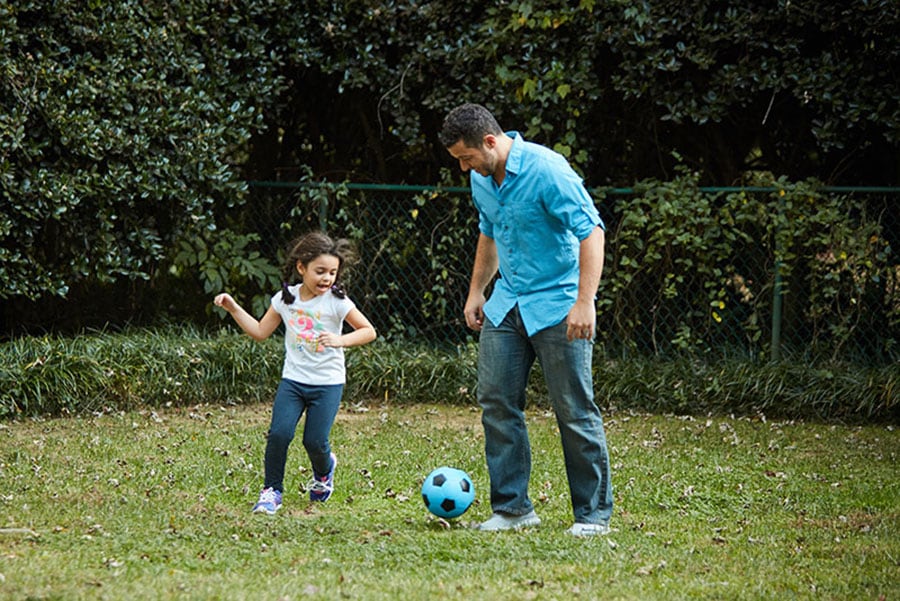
<point x="363" y="332"/>
<point x="258" y="330"/>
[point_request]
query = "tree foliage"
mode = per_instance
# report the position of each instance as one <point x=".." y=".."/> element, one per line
<point x="799" y="88"/>
<point x="120" y="124"/>
<point x="128" y="129"/>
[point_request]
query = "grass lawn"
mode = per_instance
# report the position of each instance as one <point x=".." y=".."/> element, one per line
<point x="156" y="505"/>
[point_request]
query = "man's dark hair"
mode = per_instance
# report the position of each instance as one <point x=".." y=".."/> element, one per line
<point x="469" y="123"/>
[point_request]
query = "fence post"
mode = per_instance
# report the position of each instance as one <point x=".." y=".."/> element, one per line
<point x="776" y="313"/>
<point x="323" y="208"/>
<point x="777" y="298"/>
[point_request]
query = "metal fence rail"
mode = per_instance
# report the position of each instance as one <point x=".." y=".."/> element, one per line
<point x="787" y="271"/>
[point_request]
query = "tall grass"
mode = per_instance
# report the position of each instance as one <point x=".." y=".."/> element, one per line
<point x="138" y="368"/>
<point x="184" y="366"/>
<point x="846" y="392"/>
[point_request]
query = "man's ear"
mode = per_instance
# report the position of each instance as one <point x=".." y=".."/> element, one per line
<point x="489" y="141"/>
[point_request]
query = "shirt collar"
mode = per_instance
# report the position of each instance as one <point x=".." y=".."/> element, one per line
<point x="514" y="159"/>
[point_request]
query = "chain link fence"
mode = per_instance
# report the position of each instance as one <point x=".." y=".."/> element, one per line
<point x="784" y="271"/>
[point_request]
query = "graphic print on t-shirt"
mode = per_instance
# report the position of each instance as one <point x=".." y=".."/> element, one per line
<point x="306" y="326"/>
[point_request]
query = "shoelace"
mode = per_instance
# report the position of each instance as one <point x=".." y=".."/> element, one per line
<point x="268" y="496"/>
<point x="318" y="486"/>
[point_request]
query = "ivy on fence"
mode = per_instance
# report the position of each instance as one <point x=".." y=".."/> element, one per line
<point x="755" y="272"/>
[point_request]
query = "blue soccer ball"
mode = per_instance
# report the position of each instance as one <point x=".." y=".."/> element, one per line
<point x="448" y="492"/>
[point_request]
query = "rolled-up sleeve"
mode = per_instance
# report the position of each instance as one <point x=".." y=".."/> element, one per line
<point x="574" y="208"/>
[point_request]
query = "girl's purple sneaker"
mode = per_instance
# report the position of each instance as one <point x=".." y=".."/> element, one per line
<point x="269" y="501"/>
<point x="322" y="487"/>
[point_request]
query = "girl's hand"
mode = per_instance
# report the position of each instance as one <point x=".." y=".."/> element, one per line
<point x="328" y="339"/>
<point x="225" y="301"/>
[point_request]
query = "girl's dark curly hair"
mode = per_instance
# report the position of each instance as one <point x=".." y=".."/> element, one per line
<point x="305" y="249"/>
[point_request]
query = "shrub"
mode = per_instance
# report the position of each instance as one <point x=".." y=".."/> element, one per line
<point x="183" y="367"/>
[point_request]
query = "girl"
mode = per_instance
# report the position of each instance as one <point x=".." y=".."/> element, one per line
<point x="313" y="312"/>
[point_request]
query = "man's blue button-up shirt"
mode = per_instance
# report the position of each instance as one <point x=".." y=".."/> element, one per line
<point x="537" y="217"/>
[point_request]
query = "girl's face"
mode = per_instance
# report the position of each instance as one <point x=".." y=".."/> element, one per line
<point x="319" y="274"/>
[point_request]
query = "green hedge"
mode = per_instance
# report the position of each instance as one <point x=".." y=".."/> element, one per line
<point x="148" y="369"/>
<point x="127" y="128"/>
<point x="145" y="368"/>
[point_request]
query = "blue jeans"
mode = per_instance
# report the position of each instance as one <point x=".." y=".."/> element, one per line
<point x="321" y="404"/>
<point x="505" y="357"/>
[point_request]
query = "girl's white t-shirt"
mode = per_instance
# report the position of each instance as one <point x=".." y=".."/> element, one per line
<point x="306" y="360"/>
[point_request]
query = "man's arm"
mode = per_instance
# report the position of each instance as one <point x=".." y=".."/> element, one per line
<point x="582" y="318"/>
<point x="483" y="271"/>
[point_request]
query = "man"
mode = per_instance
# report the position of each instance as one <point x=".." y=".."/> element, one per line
<point x="540" y="229"/>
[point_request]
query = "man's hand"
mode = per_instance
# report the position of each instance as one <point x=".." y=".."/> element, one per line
<point x="474" y="311"/>
<point x="581" y="321"/>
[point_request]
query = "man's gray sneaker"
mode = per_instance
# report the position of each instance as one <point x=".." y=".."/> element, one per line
<point x="580" y="529"/>
<point x="505" y="521"/>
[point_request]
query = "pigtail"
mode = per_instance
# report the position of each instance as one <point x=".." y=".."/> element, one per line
<point x="286" y="297"/>
<point x="343" y="249"/>
<point x="338" y="290"/>
<point x="288" y="275"/>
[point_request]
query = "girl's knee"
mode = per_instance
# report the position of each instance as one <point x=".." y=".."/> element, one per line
<point x="316" y="447"/>
<point x="280" y="436"/>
